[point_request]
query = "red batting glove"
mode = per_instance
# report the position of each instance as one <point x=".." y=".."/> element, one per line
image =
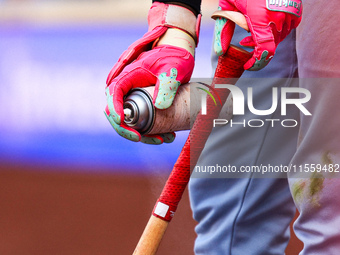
<point x="166" y="67"/>
<point x="269" y="22"/>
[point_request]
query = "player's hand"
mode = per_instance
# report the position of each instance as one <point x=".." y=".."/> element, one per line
<point x="166" y="67"/>
<point x="163" y="57"/>
<point x="268" y="22"/>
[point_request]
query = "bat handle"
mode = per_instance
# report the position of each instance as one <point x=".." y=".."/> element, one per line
<point x="152" y="236"/>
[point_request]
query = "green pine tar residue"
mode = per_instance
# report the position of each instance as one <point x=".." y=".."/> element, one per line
<point x="315" y="187"/>
<point x="327" y="162"/>
<point x="326" y="158"/>
<point x="309" y="190"/>
<point x="298" y="189"/>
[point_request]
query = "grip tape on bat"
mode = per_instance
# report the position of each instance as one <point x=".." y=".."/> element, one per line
<point x="229" y="69"/>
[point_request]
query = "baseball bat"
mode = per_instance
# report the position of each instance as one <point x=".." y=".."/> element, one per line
<point x="229" y="69"/>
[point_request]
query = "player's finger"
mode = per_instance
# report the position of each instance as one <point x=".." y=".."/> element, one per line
<point x="248" y="42"/>
<point x="166" y="89"/>
<point x="122" y="129"/>
<point x="131" y="77"/>
<point x="264" y="49"/>
<point x="152" y="139"/>
<point x="168" y="137"/>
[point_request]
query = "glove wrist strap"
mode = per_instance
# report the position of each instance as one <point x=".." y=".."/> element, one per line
<point x="175" y="16"/>
<point x="178" y="38"/>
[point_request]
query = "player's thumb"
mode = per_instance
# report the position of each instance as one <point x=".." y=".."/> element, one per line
<point x="166" y="89"/>
<point x="264" y="43"/>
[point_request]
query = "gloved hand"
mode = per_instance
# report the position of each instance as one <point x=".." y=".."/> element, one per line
<point x="163" y="58"/>
<point x="269" y="22"/>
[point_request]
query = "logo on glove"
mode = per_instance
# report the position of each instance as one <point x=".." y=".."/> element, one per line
<point x="289" y="6"/>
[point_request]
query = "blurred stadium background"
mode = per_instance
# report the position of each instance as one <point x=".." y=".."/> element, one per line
<point x="68" y="183"/>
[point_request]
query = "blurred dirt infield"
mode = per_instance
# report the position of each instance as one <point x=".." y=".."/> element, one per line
<point x="73" y="213"/>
